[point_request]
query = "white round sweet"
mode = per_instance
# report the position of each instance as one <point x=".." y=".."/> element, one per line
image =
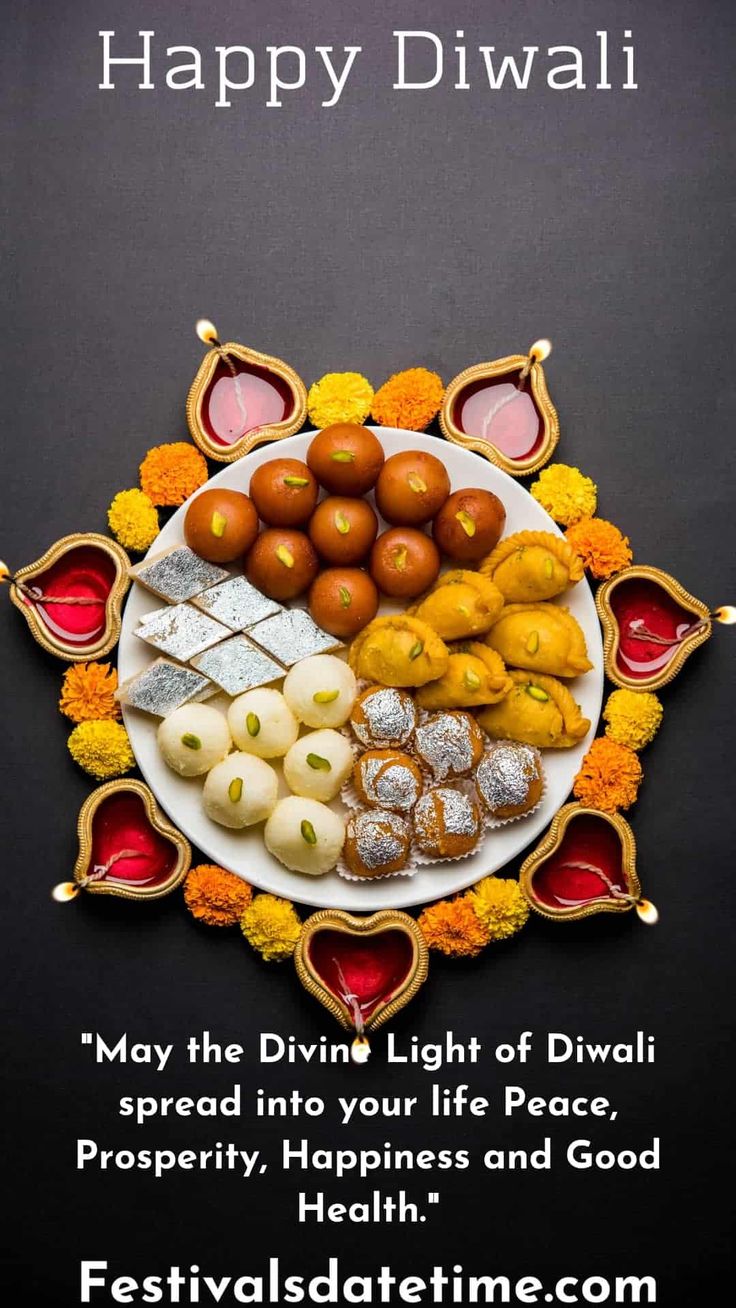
<point x="193" y="738"/>
<point x="305" y="835"/>
<point x="318" y="765"/>
<point x="262" y="723"/>
<point x="321" y="691"/>
<point x="240" y="791"/>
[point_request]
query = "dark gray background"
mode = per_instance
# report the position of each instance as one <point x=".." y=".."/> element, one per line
<point x="433" y="228"/>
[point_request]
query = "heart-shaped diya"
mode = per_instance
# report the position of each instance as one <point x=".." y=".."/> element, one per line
<point x="502" y="410"/>
<point x="585" y="864"/>
<point x="72" y="596"/>
<point x="363" y="969"/>
<point x="126" y="846"/>
<point x="240" y="398"/>
<point x="651" y="624"/>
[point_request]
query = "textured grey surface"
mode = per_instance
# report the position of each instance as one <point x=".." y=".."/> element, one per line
<point x="437" y="228"/>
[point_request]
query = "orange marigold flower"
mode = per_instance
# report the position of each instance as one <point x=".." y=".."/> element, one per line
<point x="88" y="692"/>
<point x="453" y="928"/>
<point x="603" y="549"/>
<point x="409" y="399"/>
<point x="216" y="896"/>
<point x="609" y="776"/>
<point x="171" y="473"/>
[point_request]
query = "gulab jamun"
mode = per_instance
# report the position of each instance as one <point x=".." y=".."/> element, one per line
<point x="220" y="525"/>
<point x="343" y="601"/>
<point x="282" y="563"/>
<point x="342" y="530"/>
<point x="284" y="492"/>
<point x="404" y="562"/>
<point x="469" y="525"/>
<point x="346" y="459"/>
<point x="411" y="488"/>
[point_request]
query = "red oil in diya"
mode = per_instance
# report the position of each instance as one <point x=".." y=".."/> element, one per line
<point x="586" y="865"/>
<point x="240" y="398"/>
<point x="651" y="624"/>
<point x="502" y="411"/>
<point x="70" y="596"/>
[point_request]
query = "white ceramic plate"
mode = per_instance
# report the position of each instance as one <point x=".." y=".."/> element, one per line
<point x="244" y="852"/>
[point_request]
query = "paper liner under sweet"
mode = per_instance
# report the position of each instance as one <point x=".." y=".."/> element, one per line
<point x="416" y="857"/>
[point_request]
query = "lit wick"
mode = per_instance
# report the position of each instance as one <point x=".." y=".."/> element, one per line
<point x="360" y="1049"/>
<point x="725" y="614"/>
<point x="538" y="352"/>
<point x="66" y="891"/>
<point x="644" y="908"/>
<point x="207" y="333"/>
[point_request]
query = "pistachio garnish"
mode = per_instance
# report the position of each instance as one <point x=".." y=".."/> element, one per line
<point x="191" y="741"/>
<point x="416" y="484"/>
<point x="463" y="608"/>
<point x="253" y="724"/>
<point x="466" y="522"/>
<point x="284" y="556"/>
<point x="346" y="598"/>
<point x="343" y="456"/>
<point x="532" y="645"/>
<point x="319" y="763"/>
<point x="296" y="481"/>
<point x="342" y="523"/>
<point x="400" y="556"/>
<point x="549" y="568"/>
<point x="536" y="692"/>
<point x="472" y="680"/>
<point x="416" y="650"/>
<point x="308" y="832"/>
<point x="325" y="696"/>
<point x="235" y="789"/>
<point x="218" y="523"/>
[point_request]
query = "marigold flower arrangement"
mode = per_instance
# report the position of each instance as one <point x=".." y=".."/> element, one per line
<point x="603" y="549"/>
<point x="171" y="473"/>
<point x="339" y="397"/>
<point x="272" y="926"/>
<point x="633" y="717"/>
<point x="88" y="692"/>
<point x="133" y="520"/>
<point x="102" y="749"/>
<point x="500" y="905"/>
<point x="565" y="493"/>
<point x="453" y="928"/>
<point x="409" y="399"/>
<point x="215" y="896"/>
<point x="609" y="776"/>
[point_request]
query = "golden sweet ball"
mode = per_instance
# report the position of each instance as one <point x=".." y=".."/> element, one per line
<point x="171" y="473"/>
<point x="215" y="896"/>
<point x="339" y="397"/>
<point x="632" y="717"/>
<point x="133" y="520"/>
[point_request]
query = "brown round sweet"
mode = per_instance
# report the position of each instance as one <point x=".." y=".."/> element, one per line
<point x="342" y="530"/>
<point x="469" y="525"/>
<point x="387" y="778"/>
<point x="447" y="823"/>
<point x="509" y="779"/>
<point x="346" y="459"/>
<point x="282" y="563"/>
<point x="404" y="562"/>
<point x="343" y="601"/>
<point x="284" y="492"/>
<point x="377" y="843"/>
<point x="220" y="525"/>
<point x="450" y="744"/>
<point x="384" y="715"/>
<point x="411" y="488"/>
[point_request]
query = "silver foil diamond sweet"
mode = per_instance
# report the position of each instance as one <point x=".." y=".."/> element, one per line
<point x="237" y="665"/>
<point x="292" y="636"/>
<point x="236" y="603"/>
<point x="177" y="574"/>
<point x="182" y="631"/>
<point x="162" y="687"/>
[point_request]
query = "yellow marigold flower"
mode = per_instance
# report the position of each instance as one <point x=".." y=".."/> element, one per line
<point x="272" y="926"/>
<point x="565" y="493"/>
<point x="133" y="520"/>
<point x="409" y="399"/>
<point x="500" y="905"/>
<point x="339" y="397"/>
<point x="102" y="749"/>
<point x="609" y="776"/>
<point x="88" y="692"/>
<point x="603" y="549"/>
<point x="633" y="717"/>
<point x="171" y="473"/>
<point x="453" y="928"/>
<point x="216" y="896"/>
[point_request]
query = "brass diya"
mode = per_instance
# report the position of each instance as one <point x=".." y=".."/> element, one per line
<point x="651" y="625"/>
<point x="503" y="411"/>
<point x="585" y="864"/>
<point x="126" y="846"/>
<point x="241" y="398"/>
<point x="362" y="969"/>
<point x="72" y="596"/>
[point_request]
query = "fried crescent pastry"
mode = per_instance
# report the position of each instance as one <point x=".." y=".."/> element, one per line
<point x="538" y="710"/>
<point x="532" y="565"/>
<point x="475" y="675"/>
<point x="541" y="638"/>
<point x="398" y="651"/>
<point x="460" y="604"/>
